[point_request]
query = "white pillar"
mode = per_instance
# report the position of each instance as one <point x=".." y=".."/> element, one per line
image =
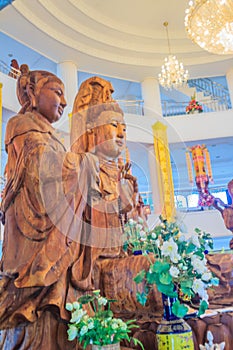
<point x="151" y="97"/>
<point x="229" y="77"/>
<point x="157" y="200"/>
<point x="68" y="73"/>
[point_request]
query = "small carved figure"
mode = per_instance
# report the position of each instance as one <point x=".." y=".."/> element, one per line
<point x="211" y="345"/>
<point x="14" y="72"/>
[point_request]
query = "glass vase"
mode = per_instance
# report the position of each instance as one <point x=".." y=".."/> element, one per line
<point x="106" y="347"/>
<point x="173" y="333"/>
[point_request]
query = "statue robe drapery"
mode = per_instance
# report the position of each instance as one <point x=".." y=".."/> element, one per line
<point x="46" y="210"/>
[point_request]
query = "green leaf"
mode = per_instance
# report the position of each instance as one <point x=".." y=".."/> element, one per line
<point x="85" y="299"/>
<point x="152" y="277"/>
<point x="180" y="310"/>
<point x="138" y="342"/>
<point x="186" y="284"/>
<point x="165" y="278"/>
<point x="142" y="298"/>
<point x="160" y="266"/>
<point x="140" y="276"/>
<point x="191" y="248"/>
<point x="167" y="290"/>
<point x="204" y="306"/>
<point x="200" y="253"/>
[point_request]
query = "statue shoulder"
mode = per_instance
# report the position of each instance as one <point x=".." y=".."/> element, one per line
<point x="23" y="123"/>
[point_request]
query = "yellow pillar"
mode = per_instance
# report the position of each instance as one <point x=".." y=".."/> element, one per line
<point x="164" y="171"/>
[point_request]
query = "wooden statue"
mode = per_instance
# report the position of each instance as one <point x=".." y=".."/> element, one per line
<point x="103" y="133"/>
<point x="45" y="204"/>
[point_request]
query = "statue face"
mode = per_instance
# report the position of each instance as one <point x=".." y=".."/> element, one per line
<point x="50" y="100"/>
<point x="110" y="135"/>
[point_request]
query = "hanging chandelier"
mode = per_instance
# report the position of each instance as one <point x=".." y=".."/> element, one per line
<point x="173" y="74"/>
<point x="209" y="23"/>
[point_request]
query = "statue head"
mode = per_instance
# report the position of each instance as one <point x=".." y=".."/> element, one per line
<point x="98" y="124"/>
<point x="43" y="92"/>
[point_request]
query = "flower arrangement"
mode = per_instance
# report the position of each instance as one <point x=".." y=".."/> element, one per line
<point x="92" y="322"/>
<point x="135" y="235"/>
<point x="177" y="265"/>
<point x="193" y="106"/>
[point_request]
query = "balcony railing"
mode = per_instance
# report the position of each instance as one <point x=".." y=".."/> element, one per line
<point x="4" y="68"/>
<point x="132" y="106"/>
<point x="11" y="71"/>
<point x="171" y="108"/>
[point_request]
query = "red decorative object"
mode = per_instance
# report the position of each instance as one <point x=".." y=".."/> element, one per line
<point x="194" y="106"/>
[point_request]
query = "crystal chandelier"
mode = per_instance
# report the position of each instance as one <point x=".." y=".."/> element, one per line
<point x="209" y="23"/>
<point x="173" y="74"/>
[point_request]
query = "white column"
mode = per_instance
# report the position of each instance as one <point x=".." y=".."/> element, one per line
<point x="157" y="201"/>
<point x="229" y="77"/>
<point x="151" y="97"/>
<point x="67" y="72"/>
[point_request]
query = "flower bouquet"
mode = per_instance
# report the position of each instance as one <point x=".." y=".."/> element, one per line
<point x="92" y="322"/>
<point x="193" y="106"/>
<point x="135" y="234"/>
<point x="177" y="266"/>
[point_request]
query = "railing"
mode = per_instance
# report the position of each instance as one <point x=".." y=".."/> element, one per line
<point x="11" y="71"/>
<point x="220" y="101"/>
<point x="132" y="106"/>
<point x="4" y="68"/>
<point x="171" y="108"/>
<point x="211" y="88"/>
<point x="183" y="200"/>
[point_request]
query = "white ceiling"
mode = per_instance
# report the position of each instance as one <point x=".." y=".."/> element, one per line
<point x="124" y="38"/>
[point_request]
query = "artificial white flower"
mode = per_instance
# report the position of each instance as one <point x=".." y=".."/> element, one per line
<point x="174" y="271"/>
<point x="139" y="227"/>
<point x="131" y="222"/>
<point x="76" y="305"/>
<point x="143" y="235"/>
<point x="83" y="330"/>
<point x="72" y="332"/>
<point x="77" y="315"/>
<point x="199" y="265"/>
<point x="206" y="276"/>
<point x="90" y="325"/>
<point x="182" y="238"/>
<point x="153" y="235"/>
<point x="198" y="286"/>
<point x="194" y="239"/>
<point x="102" y="301"/>
<point x="170" y="248"/>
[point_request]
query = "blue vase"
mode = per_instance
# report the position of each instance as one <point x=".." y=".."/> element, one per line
<point x="173" y="333"/>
